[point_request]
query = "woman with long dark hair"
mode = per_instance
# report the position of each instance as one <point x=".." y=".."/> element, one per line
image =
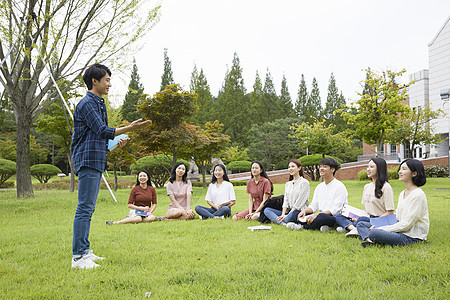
<point x="220" y="195"/>
<point x="142" y="201"/>
<point x="412" y="210"/>
<point x="179" y="190"/>
<point x="377" y="198"/>
<point x="259" y="189"/>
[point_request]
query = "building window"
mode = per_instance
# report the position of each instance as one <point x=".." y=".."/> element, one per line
<point x="393" y="149"/>
<point x="406" y="152"/>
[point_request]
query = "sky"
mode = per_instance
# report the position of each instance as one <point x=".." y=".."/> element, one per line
<point x="288" y="37"/>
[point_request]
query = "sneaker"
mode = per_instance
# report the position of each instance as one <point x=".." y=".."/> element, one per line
<point x="367" y="244"/>
<point x="352" y="233"/>
<point x="92" y="256"/>
<point x="161" y="218"/>
<point x="109" y="222"/>
<point x="340" y="229"/>
<point x="200" y="217"/>
<point x="324" y="228"/>
<point x="84" y="263"/>
<point x="219" y="217"/>
<point x="292" y="225"/>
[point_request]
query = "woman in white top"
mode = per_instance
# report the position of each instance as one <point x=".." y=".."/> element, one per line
<point x="412" y="210"/>
<point x="296" y="195"/>
<point x="220" y="196"/>
<point x="377" y="198"/>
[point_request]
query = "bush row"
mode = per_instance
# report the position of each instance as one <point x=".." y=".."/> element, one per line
<point x="392" y="172"/>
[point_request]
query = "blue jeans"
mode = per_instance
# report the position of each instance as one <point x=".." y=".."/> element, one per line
<point x="362" y="225"/>
<point x="211" y="212"/>
<point x="88" y="186"/>
<point x="380" y="236"/>
<point x="342" y="221"/>
<point x="272" y="214"/>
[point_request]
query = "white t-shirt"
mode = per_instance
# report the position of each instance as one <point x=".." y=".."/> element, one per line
<point x="220" y="195"/>
<point x="331" y="196"/>
<point x="377" y="206"/>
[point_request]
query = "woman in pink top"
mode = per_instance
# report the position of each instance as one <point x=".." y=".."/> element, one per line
<point x="259" y="189"/>
<point x="179" y="190"/>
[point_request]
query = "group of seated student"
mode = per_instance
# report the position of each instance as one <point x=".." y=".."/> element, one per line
<point x="295" y="212"/>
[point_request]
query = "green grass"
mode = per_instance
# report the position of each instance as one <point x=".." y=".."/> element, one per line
<point x="211" y="259"/>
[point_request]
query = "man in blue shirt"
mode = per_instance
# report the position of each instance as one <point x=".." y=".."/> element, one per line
<point x="89" y="153"/>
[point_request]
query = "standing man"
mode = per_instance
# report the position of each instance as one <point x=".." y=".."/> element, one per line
<point x="328" y="200"/>
<point x="89" y="149"/>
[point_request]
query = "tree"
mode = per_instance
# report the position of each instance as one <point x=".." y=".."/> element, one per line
<point x="205" y="102"/>
<point x="167" y="76"/>
<point x="416" y="127"/>
<point x="7" y="169"/>
<point x="63" y="38"/>
<point x="210" y="143"/>
<point x="134" y="94"/>
<point x="169" y="133"/>
<point x="311" y="162"/>
<point x="256" y="100"/>
<point x="285" y="102"/>
<point x="43" y="172"/>
<point x="314" y="104"/>
<point x="334" y="102"/>
<point x="380" y="109"/>
<point x="302" y="99"/>
<point x="270" y="99"/>
<point x="235" y="105"/>
<point x="233" y="154"/>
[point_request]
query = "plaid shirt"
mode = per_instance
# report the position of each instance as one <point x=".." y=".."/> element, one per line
<point x="90" y="134"/>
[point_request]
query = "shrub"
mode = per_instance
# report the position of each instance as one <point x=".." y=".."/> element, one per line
<point x="7" y="184"/>
<point x="235" y="183"/>
<point x="362" y="175"/>
<point x="393" y="173"/>
<point x="7" y="169"/>
<point x="239" y="166"/>
<point x="119" y="173"/>
<point x="438" y="170"/>
<point x="158" y="166"/>
<point x="311" y="162"/>
<point x="43" y="172"/>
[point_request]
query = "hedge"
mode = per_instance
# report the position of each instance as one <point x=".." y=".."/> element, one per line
<point x="7" y="184"/>
<point x="438" y="170"/>
<point x="239" y="166"/>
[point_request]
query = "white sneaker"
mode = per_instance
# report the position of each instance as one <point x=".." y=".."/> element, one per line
<point x="92" y="256"/>
<point x="219" y="217"/>
<point x="200" y="217"/>
<point x="84" y="263"/>
<point x="292" y="225"/>
<point x="340" y="229"/>
<point x="352" y="233"/>
<point x="324" y="228"/>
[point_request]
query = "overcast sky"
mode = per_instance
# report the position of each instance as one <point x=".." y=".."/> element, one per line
<point x="293" y="37"/>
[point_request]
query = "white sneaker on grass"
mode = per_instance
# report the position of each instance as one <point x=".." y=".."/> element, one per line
<point x="292" y="225"/>
<point x="92" y="256"/>
<point x="340" y="229"/>
<point x="84" y="263"/>
<point x="324" y="228"/>
<point x="352" y="233"/>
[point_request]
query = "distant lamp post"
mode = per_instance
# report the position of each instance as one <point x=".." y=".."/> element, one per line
<point x="445" y="96"/>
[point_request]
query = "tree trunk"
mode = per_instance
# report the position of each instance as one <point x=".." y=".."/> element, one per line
<point x="72" y="172"/>
<point x="204" y="176"/>
<point x="115" y="179"/>
<point x="379" y="147"/>
<point x="268" y="163"/>
<point x="23" y="173"/>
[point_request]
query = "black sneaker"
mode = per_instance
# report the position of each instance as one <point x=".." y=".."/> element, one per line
<point x="109" y="222"/>
<point x="367" y="244"/>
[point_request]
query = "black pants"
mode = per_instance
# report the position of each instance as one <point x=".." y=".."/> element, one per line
<point x="319" y="221"/>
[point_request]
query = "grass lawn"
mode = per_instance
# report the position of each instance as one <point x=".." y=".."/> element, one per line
<point x="212" y="259"/>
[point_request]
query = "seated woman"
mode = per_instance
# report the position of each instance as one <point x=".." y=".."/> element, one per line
<point x="296" y="195"/>
<point x="179" y="190"/>
<point x="412" y="210"/>
<point x="259" y="189"/>
<point x="143" y="199"/>
<point x="220" y="195"/>
<point x="377" y="198"/>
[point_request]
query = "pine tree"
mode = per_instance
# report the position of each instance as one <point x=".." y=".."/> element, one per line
<point x="334" y="102"/>
<point x="167" y="76"/>
<point x="285" y="102"/>
<point x="234" y="105"/>
<point x="302" y="99"/>
<point x="314" y="106"/>
<point x="256" y="100"/>
<point x="135" y="92"/>
<point x="270" y="99"/>
<point x="200" y="86"/>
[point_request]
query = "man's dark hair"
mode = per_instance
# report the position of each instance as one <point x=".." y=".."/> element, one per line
<point x="327" y="161"/>
<point x="96" y="71"/>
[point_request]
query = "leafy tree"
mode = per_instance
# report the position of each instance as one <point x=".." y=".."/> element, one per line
<point x="134" y="94"/>
<point x="235" y="105"/>
<point x="302" y="100"/>
<point x="63" y="37"/>
<point x="311" y="162"/>
<point x="43" y="172"/>
<point x="239" y="166"/>
<point x="256" y="101"/>
<point x="233" y="154"/>
<point x="210" y="143"/>
<point x="285" y="102"/>
<point x="205" y="102"/>
<point x="168" y="133"/>
<point x="270" y="99"/>
<point x="334" y="102"/>
<point x="314" y="104"/>
<point x="416" y="127"/>
<point x="380" y="109"/>
<point x="7" y="169"/>
<point x="167" y="76"/>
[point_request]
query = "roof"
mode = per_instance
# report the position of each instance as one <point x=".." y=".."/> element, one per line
<point x="439" y="32"/>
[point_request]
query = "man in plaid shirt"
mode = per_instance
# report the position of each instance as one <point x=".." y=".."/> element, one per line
<point x="89" y="152"/>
